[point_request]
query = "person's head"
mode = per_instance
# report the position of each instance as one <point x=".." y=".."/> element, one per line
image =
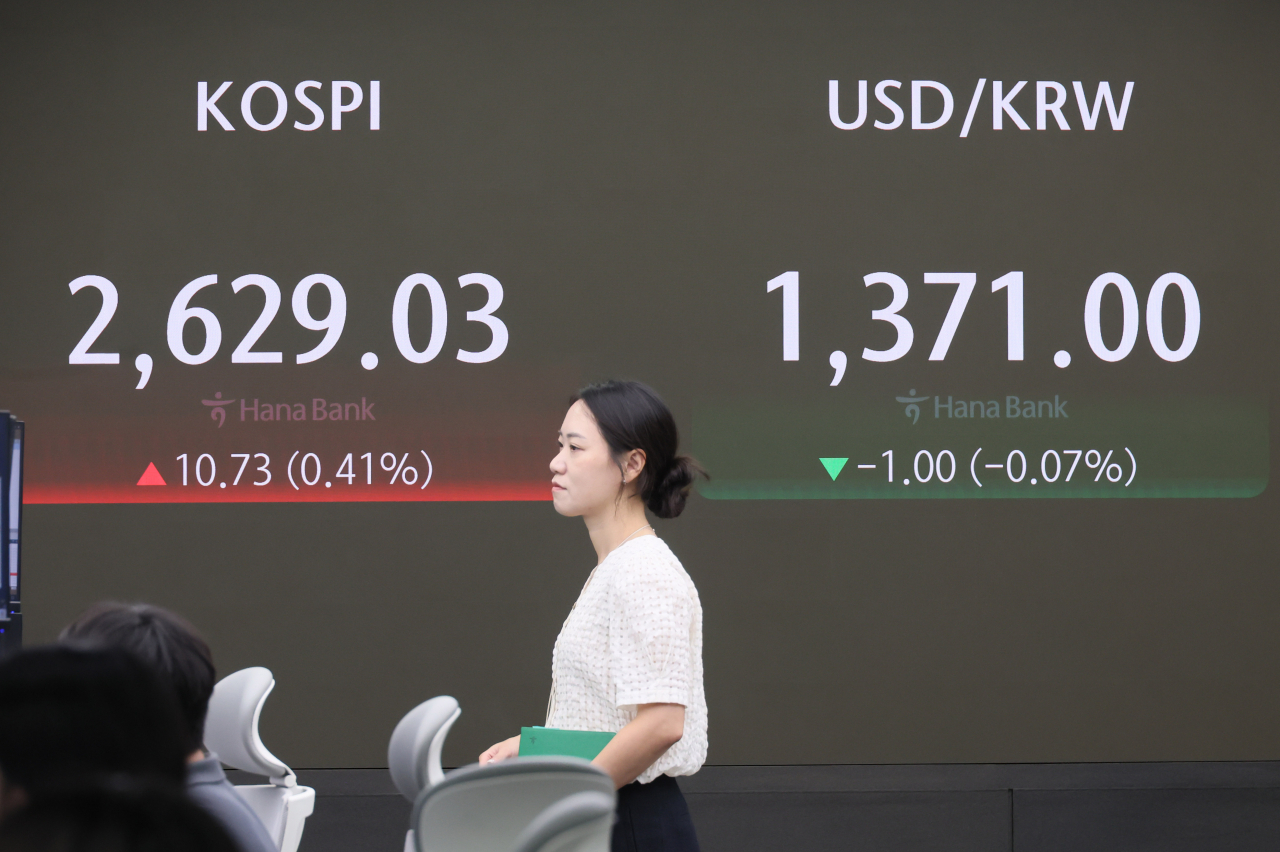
<point x="74" y="716"/>
<point x="116" y="818"/>
<point x="619" y="442"/>
<point x="163" y="640"/>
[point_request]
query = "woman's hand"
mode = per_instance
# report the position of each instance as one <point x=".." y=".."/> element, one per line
<point x="501" y="751"/>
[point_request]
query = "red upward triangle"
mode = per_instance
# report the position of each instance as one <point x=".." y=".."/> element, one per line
<point x="151" y="476"/>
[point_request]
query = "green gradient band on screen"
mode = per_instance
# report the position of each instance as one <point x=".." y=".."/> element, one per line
<point x="1184" y="447"/>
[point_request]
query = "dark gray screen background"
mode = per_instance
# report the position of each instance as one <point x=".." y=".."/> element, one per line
<point x="634" y="174"/>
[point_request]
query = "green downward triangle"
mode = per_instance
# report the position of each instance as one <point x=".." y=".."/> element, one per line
<point x="834" y="466"/>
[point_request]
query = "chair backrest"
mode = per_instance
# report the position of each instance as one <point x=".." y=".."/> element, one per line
<point x="487" y="808"/>
<point x="413" y="754"/>
<point x="231" y="732"/>
<point x="582" y="822"/>
<point x="231" y="728"/>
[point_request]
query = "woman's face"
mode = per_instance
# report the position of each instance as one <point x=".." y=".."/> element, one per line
<point x="584" y="476"/>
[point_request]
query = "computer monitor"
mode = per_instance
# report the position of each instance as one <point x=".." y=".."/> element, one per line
<point x="11" y="449"/>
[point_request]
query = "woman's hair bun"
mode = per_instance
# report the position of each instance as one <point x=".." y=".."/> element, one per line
<point x="668" y="496"/>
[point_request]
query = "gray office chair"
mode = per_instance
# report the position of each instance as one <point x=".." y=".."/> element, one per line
<point x="528" y="803"/>
<point x="231" y="733"/>
<point x="413" y="755"/>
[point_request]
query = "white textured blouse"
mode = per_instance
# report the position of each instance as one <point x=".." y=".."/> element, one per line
<point x="634" y="637"/>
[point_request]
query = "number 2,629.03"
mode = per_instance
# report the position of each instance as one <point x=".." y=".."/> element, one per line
<point x="181" y="313"/>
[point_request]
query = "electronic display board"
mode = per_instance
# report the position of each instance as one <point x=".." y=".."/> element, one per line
<point x="1008" y="260"/>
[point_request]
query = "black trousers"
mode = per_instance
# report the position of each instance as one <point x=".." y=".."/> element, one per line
<point x="653" y="817"/>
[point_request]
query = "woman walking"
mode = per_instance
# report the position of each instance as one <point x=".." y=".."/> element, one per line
<point x="629" y="657"/>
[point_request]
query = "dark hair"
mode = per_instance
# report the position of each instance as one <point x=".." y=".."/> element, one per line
<point x="163" y="640"/>
<point x="73" y="716"/>
<point x="631" y="416"/>
<point x="114" y="819"/>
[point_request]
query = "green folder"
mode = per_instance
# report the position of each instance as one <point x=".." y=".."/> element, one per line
<point x="583" y="744"/>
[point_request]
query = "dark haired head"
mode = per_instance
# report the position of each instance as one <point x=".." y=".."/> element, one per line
<point x="73" y="716"/>
<point x="631" y="416"/>
<point x="161" y="639"/>
<point x="118" y="818"/>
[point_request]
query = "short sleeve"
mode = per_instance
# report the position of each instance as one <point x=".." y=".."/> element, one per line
<point x="650" y="635"/>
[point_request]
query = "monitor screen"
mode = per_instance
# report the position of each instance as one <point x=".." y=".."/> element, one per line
<point x="967" y="309"/>
<point x="13" y="492"/>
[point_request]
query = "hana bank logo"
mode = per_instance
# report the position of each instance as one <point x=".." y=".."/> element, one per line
<point x="1010" y="408"/>
<point x="913" y="407"/>
<point x="218" y="403"/>
<point x="257" y="411"/>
